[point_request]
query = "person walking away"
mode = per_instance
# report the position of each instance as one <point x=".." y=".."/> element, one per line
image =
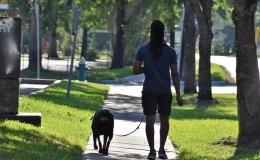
<point x="159" y="59"/>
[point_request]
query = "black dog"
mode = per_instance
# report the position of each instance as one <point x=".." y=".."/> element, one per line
<point x="103" y="124"/>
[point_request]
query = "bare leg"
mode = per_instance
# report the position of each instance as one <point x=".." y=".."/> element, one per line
<point x="150" y="130"/>
<point x="164" y="120"/>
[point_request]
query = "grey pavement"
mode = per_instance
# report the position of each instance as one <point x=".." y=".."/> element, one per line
<point x="32" y="86"/>
<point x="228" y="62"/>
<point x="61" y="64"/>
<point x="28" y="89"/>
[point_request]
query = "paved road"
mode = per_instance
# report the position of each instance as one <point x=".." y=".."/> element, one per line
<point x="61" y="64"/>
<point x="228" y="62"/>
<point x="28" y="89"/>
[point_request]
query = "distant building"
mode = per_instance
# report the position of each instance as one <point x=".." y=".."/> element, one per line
<point x="5" y="8"/>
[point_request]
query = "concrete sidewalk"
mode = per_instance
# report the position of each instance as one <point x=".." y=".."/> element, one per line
<point x="32" y="86"/>
<point x="125" y="103"/>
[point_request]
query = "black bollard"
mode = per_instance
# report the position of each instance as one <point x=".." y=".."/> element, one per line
<point x="10" y="55"/>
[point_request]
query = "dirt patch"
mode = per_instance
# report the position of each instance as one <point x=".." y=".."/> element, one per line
<point x="246" y="142"/>
<point x="207" y="102"/>
<point x="203" y="103"/>
<point x="226" y="141"/>
<point x="192" y="101"/>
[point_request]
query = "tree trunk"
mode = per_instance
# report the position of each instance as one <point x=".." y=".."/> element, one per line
<point x="247" y="71"/>
<point x="53" y="44"/>
<point x="111" y="27"/>
<point x="205" y="29"/>
<point x="118" y="53"/>
<point x="189" y="49"/>
<point x="172" y="38"/>
<point x="33" y="46"/>
<point x="84" y="43"/>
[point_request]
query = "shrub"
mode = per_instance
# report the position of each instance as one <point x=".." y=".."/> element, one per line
<point x="91" y="55"/>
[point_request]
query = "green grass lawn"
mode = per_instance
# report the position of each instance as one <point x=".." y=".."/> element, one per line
<point x="47" y="74"/>
<point x="92" y="75"/>
<point x="65" y="123"/>
<point x="194" y="128"/>
<point x="218" y="72"/>
<point x="109" y="74"/>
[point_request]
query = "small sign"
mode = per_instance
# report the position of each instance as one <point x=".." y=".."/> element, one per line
<point x="75" y="22"/>
<point x="5" y="28"/>
<point x="10" y="47"/>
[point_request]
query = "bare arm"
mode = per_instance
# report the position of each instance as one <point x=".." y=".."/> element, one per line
<point x="176" y="83"/>
<point x="137" y="69"/>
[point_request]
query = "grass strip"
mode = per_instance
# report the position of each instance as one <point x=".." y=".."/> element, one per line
<point x="65" y="123"/>
<point x="194" y="129"/>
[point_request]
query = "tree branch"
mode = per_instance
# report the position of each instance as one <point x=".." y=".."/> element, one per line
<point x="250" y="7"/>
<point x="198" y="12"/>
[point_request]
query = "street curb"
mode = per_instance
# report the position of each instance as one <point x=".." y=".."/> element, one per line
<point x="36" y="81"/>
<point x="124" y="81"/>
<point x="42" y="90"/>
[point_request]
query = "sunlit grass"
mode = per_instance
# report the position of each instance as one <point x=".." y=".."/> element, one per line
<point x="217" y="72"/>
<point x="110" y="74"/>
<point x="194" y="128"/>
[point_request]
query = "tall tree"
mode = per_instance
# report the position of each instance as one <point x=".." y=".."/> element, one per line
<point x="84" y="46"/>
<point x="202" y="10"/>
<point x="169" y="14"/>
<point x="189" y="49"/>
<point x="139" y="17"/>
<point x="247" y="71"/>
<point x="33" y="45"/>
<point x="118" y="53"/>
<point x="57" y="13"/>
<point x="24" y="10"/>
<point x="93" y="16"/>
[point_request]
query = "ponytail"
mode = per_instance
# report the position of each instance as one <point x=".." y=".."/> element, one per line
<point x="157" y="42"/>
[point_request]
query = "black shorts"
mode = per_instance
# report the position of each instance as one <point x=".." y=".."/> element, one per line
<point x="150" y="101"/>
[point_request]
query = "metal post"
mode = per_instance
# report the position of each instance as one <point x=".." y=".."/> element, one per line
<point x="76" y="13"/>
<point x="38" y="37"/>
<point x="181" y="41"/>
<point x="71" y="66"/>
<point x="22" y="51"/>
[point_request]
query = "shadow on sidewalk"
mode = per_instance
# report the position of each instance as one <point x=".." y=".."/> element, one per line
<point x="125" y="107"/>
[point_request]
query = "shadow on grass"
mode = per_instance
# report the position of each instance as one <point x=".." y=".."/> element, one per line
<point x="245" y="153"/>
<point x="81" y="96"/>
<point x="240" y="153"/>
<point x="206" y="111"/>
<point x="192" y="156"/>
<point x="26" y="143"/>
<point x="200" y="113"/>
<point x="46" y="74"/>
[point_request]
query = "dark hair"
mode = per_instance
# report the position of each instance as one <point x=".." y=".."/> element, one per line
<point x="157" y="42"/>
